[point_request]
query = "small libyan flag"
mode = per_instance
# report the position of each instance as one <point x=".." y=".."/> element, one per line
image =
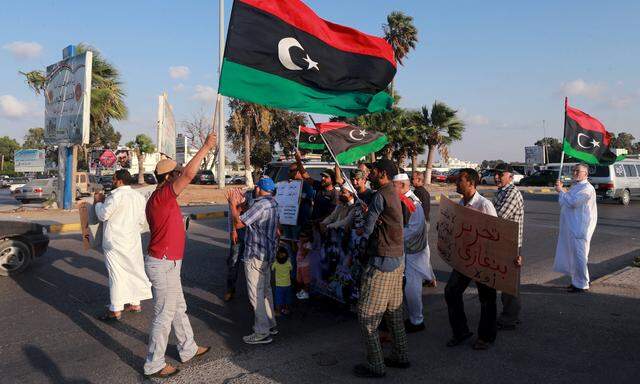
<point x="586" y="139"/>
<point x="347" y="142"/>
<point x="279" y="53"/>
<point x="310" y="139"/>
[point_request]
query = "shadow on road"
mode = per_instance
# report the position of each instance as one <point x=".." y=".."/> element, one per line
<point x="40" y="361"/>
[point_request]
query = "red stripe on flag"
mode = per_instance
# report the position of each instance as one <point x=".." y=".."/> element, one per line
<point x="299" y="15"/>
<point x="309" y="130"/>
<point x="588" y="122"/>
<point x="330" y="126"/>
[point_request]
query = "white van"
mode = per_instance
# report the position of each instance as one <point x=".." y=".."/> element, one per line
<point x="619" y="181"/>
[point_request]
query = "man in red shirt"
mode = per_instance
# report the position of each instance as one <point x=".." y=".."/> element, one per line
<point x="163" y="263"/>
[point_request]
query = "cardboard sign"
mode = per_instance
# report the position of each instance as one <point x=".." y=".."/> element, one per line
<point x="288" y="198"/>
<point x="479" y="246"/>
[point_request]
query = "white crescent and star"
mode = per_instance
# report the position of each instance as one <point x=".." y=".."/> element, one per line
<point x="284" y="54"/>
<point x="590" y="140"/>
<point x="361" y="132"/>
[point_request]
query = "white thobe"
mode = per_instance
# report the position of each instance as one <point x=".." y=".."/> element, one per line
<point x="417" y="265"/>
<point x="123" y="214"/>
<point x="578" y="219"/>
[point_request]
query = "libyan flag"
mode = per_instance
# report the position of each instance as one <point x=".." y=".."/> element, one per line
<point x="586" y="139"/>
<point x="310" y="139"/>
<point x="347" y="142"/>
<point x="281" y="54"/>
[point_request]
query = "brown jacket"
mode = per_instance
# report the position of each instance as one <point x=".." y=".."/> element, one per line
<point x="387" y="238"/>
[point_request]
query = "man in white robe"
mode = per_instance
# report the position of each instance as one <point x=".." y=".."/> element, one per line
<point x="417" y="258"/>
<point x="123" y="214"/>
<point x="578" y="219"/>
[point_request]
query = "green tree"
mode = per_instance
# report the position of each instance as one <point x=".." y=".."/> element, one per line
<point x="8" y="147"/>
<point x="401" y="34"/>
<point x="623" y="140"/>
<point x="443" y="127"/>
<point x="141" y="146"/>
<point x="34" y="139"/>
<point x="553" y="147"/>
<point x="107" y="98"/>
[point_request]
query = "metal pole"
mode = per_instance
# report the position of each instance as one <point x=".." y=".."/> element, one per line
<point x="68" y="177"/>
<point x="566" y="101"/>
<point x="220" y="100"/>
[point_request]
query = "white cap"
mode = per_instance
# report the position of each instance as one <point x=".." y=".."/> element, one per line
<point x="401" y="177"/>
<point x="349" y="187"/>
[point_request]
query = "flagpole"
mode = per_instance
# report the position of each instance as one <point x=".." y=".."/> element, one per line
<point x="564" y="131"/>
<point x="298" y="138"/>
<point x="344" y="177"/>
<point x="220" y="100"/>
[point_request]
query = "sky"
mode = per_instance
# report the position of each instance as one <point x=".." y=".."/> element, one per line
<point x="506" y="66"/>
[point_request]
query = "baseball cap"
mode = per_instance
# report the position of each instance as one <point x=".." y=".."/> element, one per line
<point x="388" y="166"/>
<point x="357" y="174"/>
<point x="504" y="167"/>
<point x="329" y="173"/>
<point x="166" y="166"/>
<point x="266" y="184"/>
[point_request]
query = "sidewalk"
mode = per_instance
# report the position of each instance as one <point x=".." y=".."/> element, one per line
<point x="564" y="338"/>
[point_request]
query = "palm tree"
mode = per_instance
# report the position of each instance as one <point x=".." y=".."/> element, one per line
<point x="107" y="97"/>
<point x="442" y="127"/>
<point x="142" y="145"/>
<point x="401" y="34"/>
<point x="416" y="134"/>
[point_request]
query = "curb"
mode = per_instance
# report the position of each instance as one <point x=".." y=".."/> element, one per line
<point x="63" y="228"/>
<point x="209" y="215"/>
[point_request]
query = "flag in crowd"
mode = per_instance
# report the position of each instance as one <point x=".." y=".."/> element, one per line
<point x="586" y="138"/>
<point x="281" y="54"/>
<point x="348" y="143"/>
<point x="309" y="139"/>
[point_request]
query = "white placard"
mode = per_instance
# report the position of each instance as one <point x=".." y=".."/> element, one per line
<point x="29" y="160"/>
<point x="288" y="198"/>
<point x="67" y="100"/>
<point x="166" y="127"/>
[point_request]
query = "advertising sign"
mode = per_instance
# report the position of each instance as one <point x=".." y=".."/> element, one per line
<point x="479" y="246"/>
<point x="29" y="160"/>
<point x="67" y="100"/>
<point x="166" y="128"/>
<point x="107" y="159"/>
<point x="534" y="155"/>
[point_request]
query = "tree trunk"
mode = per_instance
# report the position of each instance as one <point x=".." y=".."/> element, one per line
<point x="247" y="157"/>
<point x="414" y="163"/>
<point x="140" y="167"/>
<point x="431" y="154"/>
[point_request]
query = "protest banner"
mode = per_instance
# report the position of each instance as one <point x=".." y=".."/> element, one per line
<point x="288" y="195"/>
<point x="479" y="246"/>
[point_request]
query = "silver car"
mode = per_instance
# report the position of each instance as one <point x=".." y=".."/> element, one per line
<point x="37" y="189"/>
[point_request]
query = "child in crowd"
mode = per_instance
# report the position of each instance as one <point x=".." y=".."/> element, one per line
<point x="282" y="268"/>
<point x="303" y="270"/>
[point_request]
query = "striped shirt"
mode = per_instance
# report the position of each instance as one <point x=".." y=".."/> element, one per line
<point x="510" y="206"/>
<point x="261" y="220"/>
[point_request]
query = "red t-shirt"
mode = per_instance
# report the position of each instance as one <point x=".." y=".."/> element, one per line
<point x="165" y="223"/>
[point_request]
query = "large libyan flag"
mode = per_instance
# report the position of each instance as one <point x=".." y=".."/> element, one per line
<point x="279" y="53"/>
<point x="348" y="143"/>
<point x="586" y="139"/>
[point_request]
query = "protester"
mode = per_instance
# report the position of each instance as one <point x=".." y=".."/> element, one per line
<point x="416" y="249"/>
<point x="578" y="219"/>
<point x="381" y="288"/>
<point x="236" y="249"/>
<point x="123" y="216"/>
<point x="282" y="270"/>
<point x="509" y="206"/>
<point x="303" y="265"/>
<point x="326" y="195"/>
<point x="417" y="179"/>
<point x="466" y="184"/>
<point x="261" y="221"/>
<point x="164" y="262"/>
<point x="359" y="181"/>
<point x="342" y="215"/>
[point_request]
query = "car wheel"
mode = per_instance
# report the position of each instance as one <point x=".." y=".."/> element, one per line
<point x="625" y="199"/>
<point x="15" y="257"/>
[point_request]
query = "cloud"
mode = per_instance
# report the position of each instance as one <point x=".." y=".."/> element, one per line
<point x="580" y="87"/>
<point x="24" y="50"/>
<point x="179" y="88"/>
<point x="204" y="93"/>
<point x="12" y="108"/>
<point x="179" y="72"/>
<point x="477" y="120"/>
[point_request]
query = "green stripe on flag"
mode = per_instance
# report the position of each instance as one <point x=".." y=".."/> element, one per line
<point x="586" y="157"/>
<point x="312" y="146"/>
<point x="260" y="87"/>
<point x="354" y="154"/>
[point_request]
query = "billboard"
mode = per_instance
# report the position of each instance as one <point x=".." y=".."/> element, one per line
<point x="67" y="100"/>
<point x="29" y="160"/>
<point x="166" y="127"/>
<point x="534" y="154"/>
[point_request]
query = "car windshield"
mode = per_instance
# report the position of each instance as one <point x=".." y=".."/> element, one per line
<point x="599" y="171"/>
<point x="39" y="182"/>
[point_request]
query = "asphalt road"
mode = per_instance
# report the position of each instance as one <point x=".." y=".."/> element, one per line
<point x="50" y="333"/>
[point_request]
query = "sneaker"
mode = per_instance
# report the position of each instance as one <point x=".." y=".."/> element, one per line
<point x="256" y="338"/>
<point x="273" y="331"/>
<point x="302" y="295"/>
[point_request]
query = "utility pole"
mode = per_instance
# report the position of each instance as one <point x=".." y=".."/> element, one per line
<point x="220" y="102"/>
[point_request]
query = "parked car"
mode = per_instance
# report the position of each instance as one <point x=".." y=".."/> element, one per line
<point x="237" y="180"/>
<point x="17" y="182"/>
<point x="37" y="189"/>
<point x="543" y="178"/>
<point x="438" y="176"/>
<point x="487" y="177"/>
<point x="452" y="176"/>
<point x="4" y="181"/>
<point x="149" y="178"/>
<point x="204" y="177"/>
<point x="86" y="184"/>
<point x="620" y="181"/>
<point x="20" y="243"/>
